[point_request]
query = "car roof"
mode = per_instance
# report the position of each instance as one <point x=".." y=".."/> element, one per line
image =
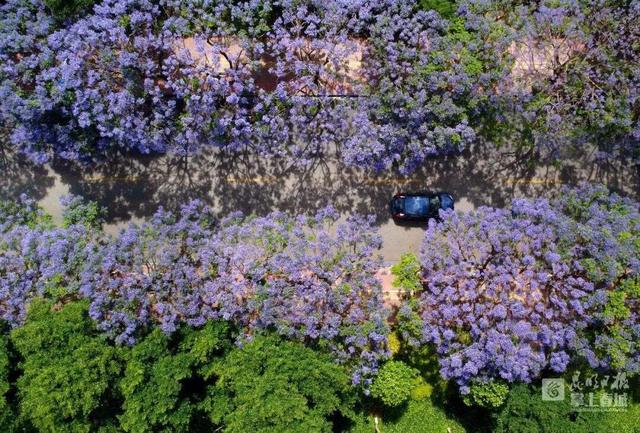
<point x="421" y="193"/>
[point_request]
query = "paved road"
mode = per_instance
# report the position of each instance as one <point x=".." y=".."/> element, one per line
<point x="132" y="189"/>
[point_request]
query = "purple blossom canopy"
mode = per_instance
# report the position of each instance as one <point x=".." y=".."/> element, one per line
<point x="310" y="279"/>
<point x="511" y="293"/>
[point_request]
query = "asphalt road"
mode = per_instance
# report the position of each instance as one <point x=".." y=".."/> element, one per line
<point x="134" y="188"/>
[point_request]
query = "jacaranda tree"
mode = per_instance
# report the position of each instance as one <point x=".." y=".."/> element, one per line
<point x="387" y="83"/>
<point x="310" y="279"/>
<point x="509" y="293"/>
<point x="574" y="71"/>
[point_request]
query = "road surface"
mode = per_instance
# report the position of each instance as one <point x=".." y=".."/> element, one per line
<point x="133" y="188"/>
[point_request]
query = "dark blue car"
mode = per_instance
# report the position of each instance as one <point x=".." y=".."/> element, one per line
<point x="419" y="206"/>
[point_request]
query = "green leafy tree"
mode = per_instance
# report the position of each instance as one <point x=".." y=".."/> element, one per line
<point x="5" y="410"/>
<point x="420" y="416"/>
<point x="68" y="370"/>
<point x="162" y="387"/>
<point x="446" y="8"/>
<point x="525" y="412"/>
<point x="616" y="339"/>
<point x="625" y="421"/>
<point x="63" y="9"/>
<point x="274" y="386"/>
<point x="488" y="395"/>
<point x="394" y="383"/>
<point x="407" y="273"/>
<point x="77" y="211"/>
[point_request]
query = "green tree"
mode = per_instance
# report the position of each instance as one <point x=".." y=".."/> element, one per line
<point x="77" y="211"/>
<point x="5" y="410"/>
<point x="488" y="395"/>
<point x="446" y="8"/>
<point x="525" y="412"/>
<point x="63" y="9"/>
<point x="275" y="386"/>
<point x="68" y="370"/>
<point x="394" y="383"/>
<point x="420" y="416"/>
<point x="162" y="387"/>
<point x="407" y="273"/>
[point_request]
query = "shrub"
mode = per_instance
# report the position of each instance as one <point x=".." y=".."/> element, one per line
<point x="63" y="9"/>
<point x="418" y="417"/>
<point x="407" y="273"/>
<point x="489" y="395"/>
<point x="394" y="383"/>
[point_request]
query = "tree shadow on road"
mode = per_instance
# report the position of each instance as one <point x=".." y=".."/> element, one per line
<point x="19" y="176"/>
<point x="483" y="175"/>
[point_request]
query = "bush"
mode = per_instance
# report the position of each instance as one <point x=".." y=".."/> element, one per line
<point x="394" y="383"/>
<point x="446" y="8"/>
<point x="407" y="273"/>
<point x="63" y="9"/>
<point x="488" y="395"/>
<point x="418" y="417"/>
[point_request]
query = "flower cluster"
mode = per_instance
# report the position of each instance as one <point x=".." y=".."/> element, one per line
<point x="574" y="74"/>
<point x="510" y="293"/>
<point x="386" y="83"/>
<point x="310" y="279"/>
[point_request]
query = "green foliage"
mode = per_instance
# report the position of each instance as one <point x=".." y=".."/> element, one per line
<point x="5" y="410"/>
<point x="418" y="417"/>
<point x="446" y="8"/>
<point x="78" y="212"/>
<point x="525" y="412"/>
<point x="409" y="324"/>
<point x="625" y="421"/>
<point x="23" y="212"/>
<point x="274" y="386"/>
<point x="394" y="382"/>
<point x="407" y="273"/>
<point x="162" y="387"/>
<point x="63" y="9"/>
<point x="614" y="329"/>
<point x="68" y="370"/>
<point x="489" y="395"/>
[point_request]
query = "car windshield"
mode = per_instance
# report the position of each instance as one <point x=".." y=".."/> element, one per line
<point x="447" y="202"/>
<point x="416" y="205"/>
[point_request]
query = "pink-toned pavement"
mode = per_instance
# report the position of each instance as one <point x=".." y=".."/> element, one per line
<point x="392" y="295"/>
